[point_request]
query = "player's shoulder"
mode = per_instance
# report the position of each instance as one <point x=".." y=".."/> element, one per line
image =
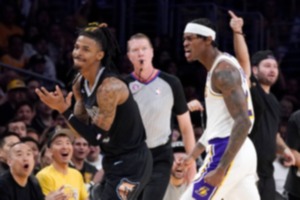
<point x="112" y="83"/>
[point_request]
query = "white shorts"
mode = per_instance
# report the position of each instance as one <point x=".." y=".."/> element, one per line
<point x="239" y="182"/>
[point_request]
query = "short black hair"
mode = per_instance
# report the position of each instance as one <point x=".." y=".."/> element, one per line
<point x="30" y="139"/>
<point x="5" y="135"/>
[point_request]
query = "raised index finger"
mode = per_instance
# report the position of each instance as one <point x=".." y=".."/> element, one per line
<point x="232" y="15"/>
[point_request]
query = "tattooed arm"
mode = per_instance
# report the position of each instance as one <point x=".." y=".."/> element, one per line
<point x="227" y="80"/>
<point x="111" y="93"/>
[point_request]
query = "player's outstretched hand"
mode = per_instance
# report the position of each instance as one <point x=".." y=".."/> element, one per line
<point x="55" y="100"/>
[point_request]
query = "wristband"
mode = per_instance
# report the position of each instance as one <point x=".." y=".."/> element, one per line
<point x="68" y="113"/>
<point x="239" y="33"/>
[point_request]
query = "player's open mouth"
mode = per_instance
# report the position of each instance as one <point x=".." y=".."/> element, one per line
<point x="187" y="53"/>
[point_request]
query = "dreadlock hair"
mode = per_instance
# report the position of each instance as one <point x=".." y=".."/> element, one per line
<point x="206" y="22"/>
<point x="102" y="35"/>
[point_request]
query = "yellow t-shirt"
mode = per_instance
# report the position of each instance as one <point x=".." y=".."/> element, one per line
<point x="50" y="180"/>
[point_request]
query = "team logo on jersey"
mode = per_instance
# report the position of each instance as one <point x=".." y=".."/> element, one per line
<point x="135" y="87"/>
<point x="125" y="188"/>
<point x="92" y="111"/>
<point x="203" y="191"/>
<point x="157" y="91"/>
<point x="106" y="140"/>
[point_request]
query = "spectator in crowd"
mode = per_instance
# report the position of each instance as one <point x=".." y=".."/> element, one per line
<point x="37" y="64"/>
<point x="34" y="145"/>
<point x="25" y="112"/>
<point x="31" y="132"/>
<point x="43" y="118"/>
<point x="178" y="183"/>
<point x="15" y="55"/>
<point x="17" y="182"/>
<point x="7" y="140"/>
<point x="39" y="44"/>
<point x="45" y="157"/>
<point x="265" y="136"/>
<point x="8" y="24"/>
<point x="80" y="152"/>
<point x="16" y="93"/>
<point x="94" y="156"/>
<point x="59" y="174"/>
<point x="17" y="126"/>
<point x="32" y="84"/>
<point x="59" y="120"/>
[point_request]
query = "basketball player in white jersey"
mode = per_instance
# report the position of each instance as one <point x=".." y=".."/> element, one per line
<point x="229" y="170"/>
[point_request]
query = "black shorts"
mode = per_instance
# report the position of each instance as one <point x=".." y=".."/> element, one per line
<point x="134" y="168"/>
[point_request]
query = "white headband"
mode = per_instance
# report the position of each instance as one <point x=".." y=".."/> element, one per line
<point x="200" y="30"/>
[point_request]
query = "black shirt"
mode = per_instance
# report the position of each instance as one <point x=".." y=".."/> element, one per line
<point x="88" y="171"/>
<point x="3" y="168"/>
<point x="292" y="183"/>
<point x="265" y="128"/>
<point x="127" y="133"/>
<point x="11" y="190"/>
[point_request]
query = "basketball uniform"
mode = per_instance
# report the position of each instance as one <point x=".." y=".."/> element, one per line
<point x="240" y="179"/>
<point x="126" y="156"/>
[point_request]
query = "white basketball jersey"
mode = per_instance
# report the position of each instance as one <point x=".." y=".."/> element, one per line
<point x="219" y="120"/>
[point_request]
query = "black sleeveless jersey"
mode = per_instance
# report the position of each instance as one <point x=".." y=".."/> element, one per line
<point x="127" y="132"/>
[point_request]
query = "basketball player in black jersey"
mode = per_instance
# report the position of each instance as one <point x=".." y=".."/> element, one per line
<point x="106" y="114"/>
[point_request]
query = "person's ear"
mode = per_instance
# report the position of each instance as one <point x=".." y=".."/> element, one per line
<point x="255" y="70"/>
<point x="208" y="40"/>
<point x="100" y="55"/>
<point x="9" y="162"/>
